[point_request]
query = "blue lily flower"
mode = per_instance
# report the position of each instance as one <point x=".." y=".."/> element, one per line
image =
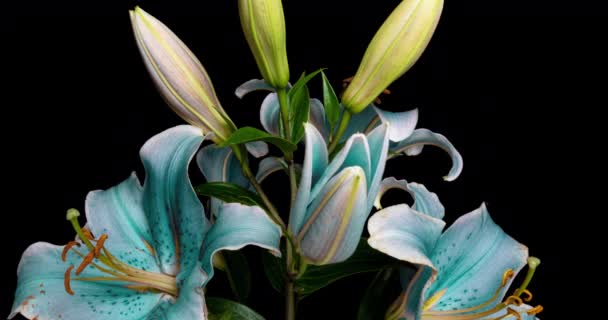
<point x="404" y="137"/>
<point x="334" y="198"/>
<point x="145" y="252"/>
<point x="463" y="273"/>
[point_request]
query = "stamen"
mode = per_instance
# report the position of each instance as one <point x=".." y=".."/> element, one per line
<point x="528" y="296"/>
<point x="536" y="310"/>
<point x="511" y="312"/>
<point x="99" y="244"/>
<point x="66" y="281"/>
<point x="533" y="263"/>
<point x="87" y="233"/>
<point x="64" y="254"/>
<point x="85" y="262"/>
<point x="506" y="277"/>
<point x="514" y="300"/>
<point x="72" y="216"/>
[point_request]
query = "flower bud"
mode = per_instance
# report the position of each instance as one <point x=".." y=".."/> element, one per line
<point x="264" y="27"/>
<point x="179" y="76"/>
<point x="394" y="49"/>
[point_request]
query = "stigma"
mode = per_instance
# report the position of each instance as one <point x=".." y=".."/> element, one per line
<point x="95" y="255"/>
<point x="480" y="311"/>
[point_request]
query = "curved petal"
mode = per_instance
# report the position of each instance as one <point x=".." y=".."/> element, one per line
<point x="220" y="165"/>
<point x="315" y="163"/>
<point x="402" y="124"/>
<point x="270" y="112"/>
<point x="41" y="293"/>
<point x="317" y="117"/>
<point x="361" y="122"/>
<point x="424" y="201"/>
<point x="190" y="304"/>
<point x="252" y="85"/>
<point x="257" y="149"/>
<point x="405" y="234"/>
<point x="335" y="220"/>
<point x="356" y="152"/>
<point x="522" y="310"/>
<point x="238" y="226"/>
<point x="378" y="147"/>
<point x="420" y="137"/>
<point x="472" y="256"/>
<point x="118" y="212"/>
<point x="269" y="166"/>
<point x="173" y="210"/>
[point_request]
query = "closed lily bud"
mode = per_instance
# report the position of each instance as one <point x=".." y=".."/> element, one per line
<point x="179" y="76"/>
<point x="394" y="49"/>
<point x="264" y="27"/>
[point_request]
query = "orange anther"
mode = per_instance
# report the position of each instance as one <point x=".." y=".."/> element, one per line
<point x="99" y="244"/>
<point x="64" y="254"/>
<point x="528" y="296"/>
<point x="507" y="276"/>
<point x="514" y="300"/>
<point x="514" y="313"/>
<point x="66" y="281"/>
<point x="85" y="262"/>
<point x="536" y="310"/>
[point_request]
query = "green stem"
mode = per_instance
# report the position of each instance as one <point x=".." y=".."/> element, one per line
<point x="284" y="105"/>
<point x="341" y="129"/>
<point x="290" y="297"/>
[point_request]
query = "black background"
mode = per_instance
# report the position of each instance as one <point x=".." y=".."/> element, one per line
<point x="514" y="85"/>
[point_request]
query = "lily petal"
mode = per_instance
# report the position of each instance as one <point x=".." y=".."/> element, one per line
<point x="238" y="226"/>
<point x="378" y="147"/>
<point x="402" y="124"/>
<point x="270" y="113"/>
<point x="252" y="85"/>
<point x="424" y="201"/>
<point x="405" y="234"/>
<point x="355" y="152"/>
<point x="269" y="166"/>
<point x="315" y="163"/>
<point x="190" y="304"/>
<point x="422" y="137"/>
<point x="472" y="256"/>
<point x="175" y="214"/>
<point x="257" y="149"/>
<point x="335" y="220"/>
<point x="362" y="122"/>
<point x="317" y="117"/>
<point x="522" y="310"/>
<point x="118" y="212"/>
<point x="220" y="165"/>
<point x="41" y="293"/>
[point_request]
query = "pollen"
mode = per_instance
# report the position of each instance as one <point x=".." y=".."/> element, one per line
<point x="66" y="281"/>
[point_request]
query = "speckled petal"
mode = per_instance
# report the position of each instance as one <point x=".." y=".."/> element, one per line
<point x="41" y="293"/>
<point x="175" y="214"/>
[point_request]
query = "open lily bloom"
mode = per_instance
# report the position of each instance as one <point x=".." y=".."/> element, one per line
<point x="404" y="137"/>
<point x="334" y="198"/>
<point x="463" y="273"/>
<point x="145" y="251"/>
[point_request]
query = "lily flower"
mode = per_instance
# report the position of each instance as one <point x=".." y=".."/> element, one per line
<point x="145" y="252"/>
<point x="179" y="76"/>
<point x="395" y="48"/>
<point x="403" y="135"/>
<point x="263" y="24"/>
<point x="334" y="198"/>
<point x="462" y="273"/>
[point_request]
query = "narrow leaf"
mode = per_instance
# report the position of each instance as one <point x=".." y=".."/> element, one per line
<point x="249" y="134"/>
<point x="365" y="259"/>
<point x="299" y="113"/>
<point x="332" y="105"/>
<point x="229" y="192"/>
<point x="222" y="309"/>
<point x="304" y="79"/>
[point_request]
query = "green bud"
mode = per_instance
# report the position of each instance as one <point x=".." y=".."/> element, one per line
<point x="394" y="49"/>
<point x="264" y="27"/>
<point x="179" y="76"/>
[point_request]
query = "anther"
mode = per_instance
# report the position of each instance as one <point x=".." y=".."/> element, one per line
<point x="64" y="254"/>
<point x="507" y="276"/>
<point x="85" y="262"/>
<point x="511" y="312"/>
<point x="536" y="310"/>
<point x="528" y="296"/>
<point x="513" y="300"/>
<point x="66" y="281"/>
<point x="99" y="244"/>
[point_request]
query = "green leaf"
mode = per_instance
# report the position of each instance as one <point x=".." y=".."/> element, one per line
<point x="274" y="268"/>
<point x="229" y="192"/>
<point x="332" y="105"/>
<point x="299" y="112"/>
<point x="238" y="273"/>
<point x="249" y="134"/>
<point x="380" y="294"/>
<point x="302" y="81"/>
<point x="222" y="309"/>
<point x="365" y="259"/>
